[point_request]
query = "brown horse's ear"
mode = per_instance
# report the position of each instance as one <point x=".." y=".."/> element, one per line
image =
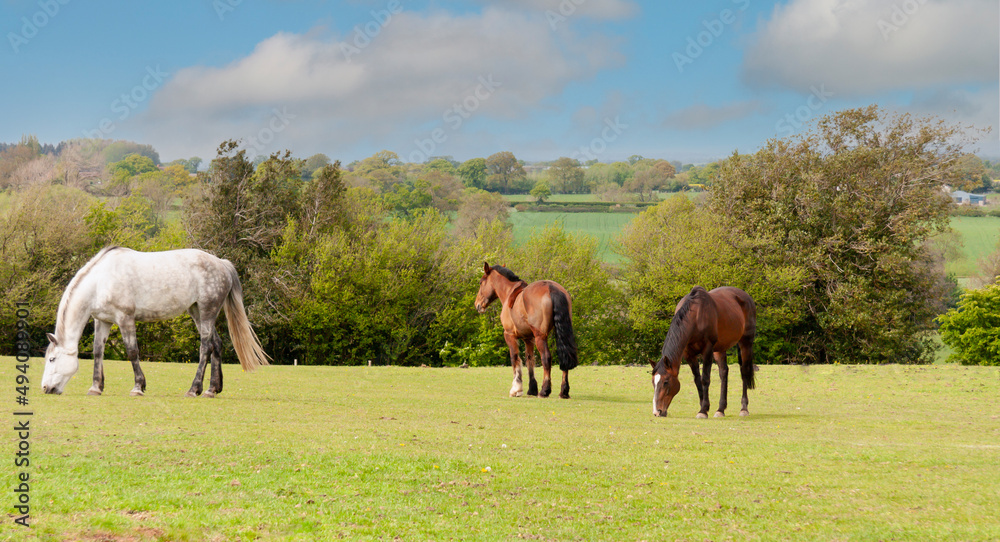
<point x="486" y="267"/>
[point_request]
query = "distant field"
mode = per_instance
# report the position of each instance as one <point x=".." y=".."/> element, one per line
<point x="980" y="236"/>
<point x="604" y="226"/>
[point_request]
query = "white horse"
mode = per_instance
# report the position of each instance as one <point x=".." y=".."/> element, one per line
<point x="122" y="286"/>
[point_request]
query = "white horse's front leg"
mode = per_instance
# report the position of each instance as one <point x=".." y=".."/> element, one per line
<point x="101" y="331"/>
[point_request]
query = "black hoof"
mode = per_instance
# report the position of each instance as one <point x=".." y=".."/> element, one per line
<point x="533" y="388"/>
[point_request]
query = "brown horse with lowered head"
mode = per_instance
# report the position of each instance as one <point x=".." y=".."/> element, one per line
<point x="707" y="324"/>
<point x="529" y="313"/>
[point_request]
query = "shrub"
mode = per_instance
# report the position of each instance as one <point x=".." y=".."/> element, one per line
<point x="972" y="329"/>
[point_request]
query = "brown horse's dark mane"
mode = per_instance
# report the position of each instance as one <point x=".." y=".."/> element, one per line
<point x="506" y="273"/>
<point x="677" y="335"/>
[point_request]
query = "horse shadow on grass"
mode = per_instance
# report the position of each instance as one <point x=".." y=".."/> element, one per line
<point x="608" y="399"/>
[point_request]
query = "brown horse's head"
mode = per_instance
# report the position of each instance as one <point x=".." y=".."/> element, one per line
<point x="487" y="291"/>
<point x="665" y="386"/>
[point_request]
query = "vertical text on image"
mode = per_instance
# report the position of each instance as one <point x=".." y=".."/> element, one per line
<point x="22" y="416"/>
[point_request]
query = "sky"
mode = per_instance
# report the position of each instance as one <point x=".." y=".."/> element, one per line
<point x="588" y="79"/>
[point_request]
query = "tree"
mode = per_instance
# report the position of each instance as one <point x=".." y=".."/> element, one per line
<point x="190" y="165"/>
<point x="650" y="177"/>
<point x="445" y="189"/>
<point x="44" y="244"/>
<point x="973" y="328"/>
<point x="541" y="191"/>
<point x="117" y="150"/>
<point x="676" y="245"/>
<point x="12" y="159"/>
<point x="321" y="202"/>
<point x="80" y="163"/>
<point x="567" y="176"/>
<point x="442" y="165"/>
<point x="852" y="202"/>
<point x="384" y="169"/>
<point x="314" y="163"/>
<point x="503" y="169"/>
<point x="473" y="173"/>
<point x="972" y="174"/>
<point x="478" y="207"/>
<point x="702" y="175"/>
<point x="621" y="173"/>
<point x="123" y="172"/>
<point x="240" y="213"/>
<point x="131" y="223"/>
<point x="39" y="170"/>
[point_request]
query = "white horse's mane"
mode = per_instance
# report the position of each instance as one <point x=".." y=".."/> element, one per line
<point x="71" y="288"/>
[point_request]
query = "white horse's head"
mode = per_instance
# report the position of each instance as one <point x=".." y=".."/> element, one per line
<point x="60" y="366"/>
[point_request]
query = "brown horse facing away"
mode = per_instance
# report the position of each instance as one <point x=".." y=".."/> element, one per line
<point x="706" y="324"/>
<point x="529" y="313"/>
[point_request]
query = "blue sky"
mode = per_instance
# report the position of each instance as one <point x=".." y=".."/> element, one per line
<point x="605" y="79"/>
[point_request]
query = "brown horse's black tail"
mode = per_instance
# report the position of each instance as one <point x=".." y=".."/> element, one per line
<point x="747" y="369"/>
<point x="562" y="321"/>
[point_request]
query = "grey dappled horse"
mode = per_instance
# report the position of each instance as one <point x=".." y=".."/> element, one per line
<point x="122" y="286"/>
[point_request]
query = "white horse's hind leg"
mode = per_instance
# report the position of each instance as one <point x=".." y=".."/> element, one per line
<point x="101" y="331"/>
<point x="132" y="350"/>
<point x="215" y="350"/>
<point x="203" y="354"/>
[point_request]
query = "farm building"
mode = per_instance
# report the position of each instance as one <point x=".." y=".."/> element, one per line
<point x="965" y="198"/>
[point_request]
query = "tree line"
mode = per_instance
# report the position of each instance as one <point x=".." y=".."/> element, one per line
<point x="832" y="232"/>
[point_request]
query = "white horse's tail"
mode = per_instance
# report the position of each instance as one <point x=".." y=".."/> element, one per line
<point x="248" y="348"/>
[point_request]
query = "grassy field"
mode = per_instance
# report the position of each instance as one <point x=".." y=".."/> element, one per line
<point x="979" y="235"/>
<point x="979" y="239"/>
<point x="606" y="227"/>
<point x="385" y="453"/>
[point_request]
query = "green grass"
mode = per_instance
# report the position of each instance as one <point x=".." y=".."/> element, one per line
<point x="320" y="453"/>
<point x="979" y="239"/>
<point x="606" y="227"/>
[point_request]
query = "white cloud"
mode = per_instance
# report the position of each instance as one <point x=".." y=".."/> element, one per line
<point x="857" y="47"/>
<point x="979" y="109"/>
<point x="701" y="116"/>
<point x="391" y="87"/>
